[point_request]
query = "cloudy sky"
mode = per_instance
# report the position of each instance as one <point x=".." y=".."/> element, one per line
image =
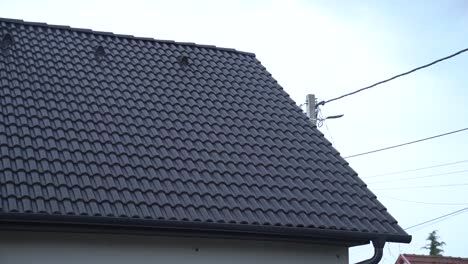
<point x="330" y="48"/>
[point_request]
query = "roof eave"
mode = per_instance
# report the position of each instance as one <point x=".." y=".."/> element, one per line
<point x="43" y="222"/>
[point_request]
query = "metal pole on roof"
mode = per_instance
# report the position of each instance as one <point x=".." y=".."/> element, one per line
<point x="310" y="103"/>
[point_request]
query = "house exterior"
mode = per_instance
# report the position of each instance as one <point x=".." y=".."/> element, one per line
<point x="425" y="259"/>
<point x="119" y="149"/>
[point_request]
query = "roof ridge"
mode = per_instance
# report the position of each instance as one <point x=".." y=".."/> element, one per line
<point x="105" y="33"/>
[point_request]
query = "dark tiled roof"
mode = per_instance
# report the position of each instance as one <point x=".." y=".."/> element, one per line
<point x="423" y="259"/>
<point x="104" y="126"/>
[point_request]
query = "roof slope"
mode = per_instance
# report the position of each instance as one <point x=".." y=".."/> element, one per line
<point x="103" y="126"/>
<point x="422" y="259"/>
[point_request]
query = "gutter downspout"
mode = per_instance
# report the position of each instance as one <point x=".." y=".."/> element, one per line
<point x="378" y="252"/>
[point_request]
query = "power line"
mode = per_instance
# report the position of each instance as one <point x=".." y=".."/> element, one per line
<point x="419" y="202"/>
<point x="407" y="143"/>
<point x="329" y="133"/>
<point x="419" y="177"/>
<point x="417" y="169"/>
<point x="395" y="77"/>
<point x="446" y="216"/>
<point x="326" y="126"/>
<point x="440" y="220"/>
<point x="419" y="187"/>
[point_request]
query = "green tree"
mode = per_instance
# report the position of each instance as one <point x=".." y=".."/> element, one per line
<point x="434" y="245"/>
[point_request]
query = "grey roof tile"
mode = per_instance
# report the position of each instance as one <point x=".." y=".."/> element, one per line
<point x="137" y="135"/>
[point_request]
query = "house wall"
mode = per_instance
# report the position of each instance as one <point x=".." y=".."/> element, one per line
<point x="78" y="248"/>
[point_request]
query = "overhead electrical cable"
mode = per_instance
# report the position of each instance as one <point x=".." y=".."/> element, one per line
<point x="419" y="202"/>
<point x="420" y="187"/>
<point x="326" y="126"/>
<point x="417" y="169"/>
<point x="329" y="133"/>
<point x="407" y="143"/>
<point x="394" y="77"/>
<point x="440" y="220"/>
<point x="419" y="177"/>
<point x="446" y="216"/>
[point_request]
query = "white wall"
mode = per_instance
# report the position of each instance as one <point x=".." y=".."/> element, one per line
<point x="73" y="248"/>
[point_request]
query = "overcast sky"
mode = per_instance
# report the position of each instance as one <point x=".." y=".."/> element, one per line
<point x="330" y="48"/>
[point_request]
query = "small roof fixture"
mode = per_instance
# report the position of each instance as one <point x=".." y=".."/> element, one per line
<point x="6" y="41"/>
<point x="184" y="60"/>
<point x="100" y="53"/>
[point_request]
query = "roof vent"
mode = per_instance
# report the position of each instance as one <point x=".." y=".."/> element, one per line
<point x="100" y="53"/>
<point x="6" y="42"/>
<point x="184" y="60"/>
